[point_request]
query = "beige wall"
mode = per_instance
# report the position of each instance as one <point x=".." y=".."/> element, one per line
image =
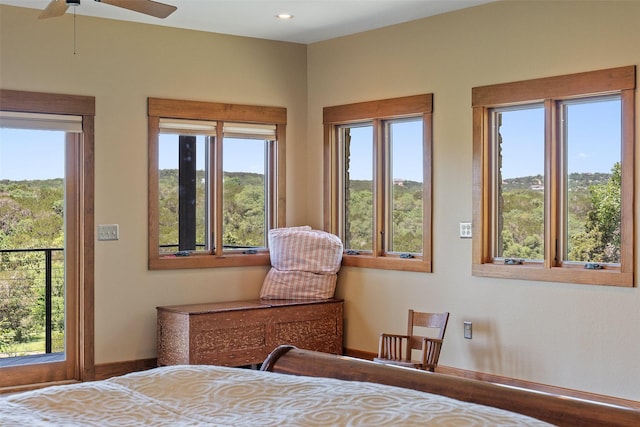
<point x="579" y="337"/>
<point x="122" y="64"/>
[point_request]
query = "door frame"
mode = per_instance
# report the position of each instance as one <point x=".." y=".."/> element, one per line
<point x="82" y="162"/>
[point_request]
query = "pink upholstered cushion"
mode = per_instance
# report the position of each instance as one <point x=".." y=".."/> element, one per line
<point x="297" y="285"/>
<point x="305" y="250"/>
<point x="304" y="264"/>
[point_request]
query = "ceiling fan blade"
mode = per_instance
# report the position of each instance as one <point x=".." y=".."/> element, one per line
<point x="148" y="7"/>
<point x="53" y="9"/>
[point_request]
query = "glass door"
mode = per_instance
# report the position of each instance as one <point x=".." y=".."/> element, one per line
<point x="39" y="240"/>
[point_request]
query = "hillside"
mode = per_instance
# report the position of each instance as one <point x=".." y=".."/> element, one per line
<point x="32" y="212"/>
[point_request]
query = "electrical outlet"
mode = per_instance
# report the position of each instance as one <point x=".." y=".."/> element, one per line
<point x="468" y="330"/>
<point x="465" y="230"/>
<point x="108" y="232"/>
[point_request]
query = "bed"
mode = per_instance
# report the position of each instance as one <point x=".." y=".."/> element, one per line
<point x="297" y="387"/>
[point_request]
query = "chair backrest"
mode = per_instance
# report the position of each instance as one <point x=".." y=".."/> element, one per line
<point x="436" y="321"/>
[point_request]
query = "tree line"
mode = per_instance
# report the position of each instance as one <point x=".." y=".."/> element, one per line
<point x="32" y="217"/>
<point x="592" y="217"/>
<point x="243" y="209"/>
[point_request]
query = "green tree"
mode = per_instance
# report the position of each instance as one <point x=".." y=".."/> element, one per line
<point x="523" y="224"/>
<point x="31" y="217"/>
<point x="244" y="219"/>
<point x="360" y="216"/>
<point x="600" y="239"/>
<point x="407" y="217"/>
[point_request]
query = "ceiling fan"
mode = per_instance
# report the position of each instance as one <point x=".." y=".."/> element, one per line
<point x="148" y="7"/>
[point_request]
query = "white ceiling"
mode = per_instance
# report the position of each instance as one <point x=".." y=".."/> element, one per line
<point x="313" y="21"/>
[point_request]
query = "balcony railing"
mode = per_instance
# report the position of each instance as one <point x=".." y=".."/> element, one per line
<point x="31" y="299"/>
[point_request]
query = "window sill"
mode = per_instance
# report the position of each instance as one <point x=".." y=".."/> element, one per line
<point x="208" y="261"/>
<point x="606" y="277"/>
<point x="387" y="263"/>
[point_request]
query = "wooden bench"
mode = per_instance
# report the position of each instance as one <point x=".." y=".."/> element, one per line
<point x="240" y="333"/>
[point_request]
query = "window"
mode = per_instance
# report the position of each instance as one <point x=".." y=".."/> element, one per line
<point x="216" y="180"/>
<point x="554" y="178"/>
<point x="378" y="177"/>
<point x="46" y="238"/>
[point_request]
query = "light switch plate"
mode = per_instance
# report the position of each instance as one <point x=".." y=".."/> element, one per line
<point x="465" y="230"/>
<point x="468" y="330"/>
<point x="108" y="232"/>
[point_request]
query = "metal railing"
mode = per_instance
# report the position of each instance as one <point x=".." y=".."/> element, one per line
<point x="28" y="279"/>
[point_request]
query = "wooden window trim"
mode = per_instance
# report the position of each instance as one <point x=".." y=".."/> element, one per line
<point x="199" y="110"/>
<point x="80" y="236"/>
<point x="619" y="80"/>
<point x="376" y="112"/>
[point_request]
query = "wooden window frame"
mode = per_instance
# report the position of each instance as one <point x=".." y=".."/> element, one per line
<point x="550" y="90"/>
<point x="222" y="112"/>
<point x="377" y="112"/>
<point x="79" y="162"/>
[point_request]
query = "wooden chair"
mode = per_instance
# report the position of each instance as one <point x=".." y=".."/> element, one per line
<point x="397" y="349"/>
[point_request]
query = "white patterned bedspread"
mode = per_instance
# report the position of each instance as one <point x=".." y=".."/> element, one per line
<point x="180" y="396"/>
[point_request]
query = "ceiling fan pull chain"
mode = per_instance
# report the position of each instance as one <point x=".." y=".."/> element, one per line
<point x="74" y="30"/>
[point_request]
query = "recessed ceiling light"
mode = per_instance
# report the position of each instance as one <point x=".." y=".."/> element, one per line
<point x="284" y="16"/>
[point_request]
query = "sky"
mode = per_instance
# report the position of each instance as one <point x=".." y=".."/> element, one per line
<point x="588" y="126"/>
<point x="31" y="154"/>
<point x="407" y="141"/>
<point x="24" y="157"/>
<point x="240" y="155"/>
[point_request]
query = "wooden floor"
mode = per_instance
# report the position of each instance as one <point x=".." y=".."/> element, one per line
<point x="27" y="360"/>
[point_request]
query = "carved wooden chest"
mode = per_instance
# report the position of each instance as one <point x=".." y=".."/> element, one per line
<point x="239" y="333"/>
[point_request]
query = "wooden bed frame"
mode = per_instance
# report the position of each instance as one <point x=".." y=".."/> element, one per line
<point x="555" y="409"/>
